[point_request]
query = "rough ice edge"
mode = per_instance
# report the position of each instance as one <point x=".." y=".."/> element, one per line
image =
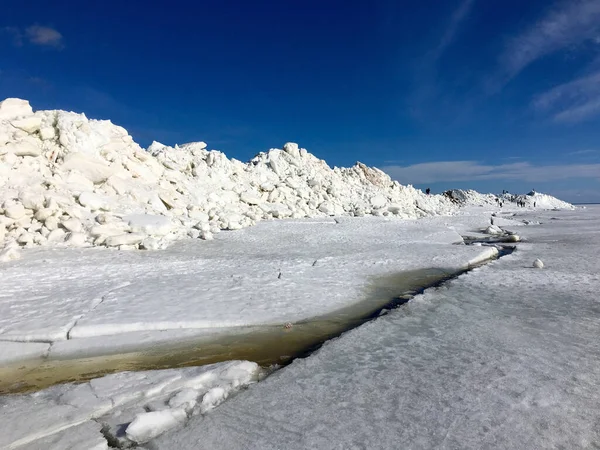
<point x="64" y="407"/>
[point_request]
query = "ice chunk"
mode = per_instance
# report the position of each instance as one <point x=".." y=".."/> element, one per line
<point x="250" y="198"/>
<point x="125" y="239"/>
<point x="14" y="107"/>
<point x="493" y="229"/>
<point x="213" y="398"/>
<point x="15" y="211"/>
<point x="92" y="168"/>
<point x="47" y="133"/>
<point x="185" y="399"/>
<point x="91" y="201"/>
<point x="147" y="426"/>
<point x="24" y="148"/>
<point x="29" y="125"/>
<point x="76" y="239"/>
<point x="149" y="224"/>
<point x="32" y="200"/>
<point x="379" y="201"/>
<point x="74" y="225"/>
<point x="292" y="149"/>
<point x="327" y="208"/>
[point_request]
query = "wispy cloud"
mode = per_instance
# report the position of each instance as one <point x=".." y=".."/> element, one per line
<point x="579" y="112"/>
<point x="568" y="23"/>
<point x="453" y="27"/>
<point x="36" y="35"/>
<point x="588" y="151"/>
<point x="474" y="171"/>
<point x="574" y="101"/>
<point x="572" y="91"/>
<point x="427" y="89"/>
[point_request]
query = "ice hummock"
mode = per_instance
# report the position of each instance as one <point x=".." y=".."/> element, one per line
<point x="66" y="180"/>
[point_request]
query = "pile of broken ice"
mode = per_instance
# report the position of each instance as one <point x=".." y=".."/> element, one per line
<point x="531" y="200"/>
<point x="126" y="408"/>
<point x="67" y="180"/>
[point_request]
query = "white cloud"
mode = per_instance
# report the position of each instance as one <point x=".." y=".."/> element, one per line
<point x="36" y="35"/>
<point x="452" y="29"/>
<point x="474" y="171"/>
<point x="580" y="112"/>
<point x="574" y="101"/>
<point x="426" y="80"/>
<point x="587" y="151"/>
<point x="44" y="36"/>
<point x="569" y="23"/>
<point x="572" y="91"/>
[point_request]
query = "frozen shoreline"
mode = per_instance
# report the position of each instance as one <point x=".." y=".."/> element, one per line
<point x="418" y="242"/>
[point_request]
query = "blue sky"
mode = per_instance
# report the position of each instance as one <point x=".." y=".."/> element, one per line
<point x="488" y="95"/>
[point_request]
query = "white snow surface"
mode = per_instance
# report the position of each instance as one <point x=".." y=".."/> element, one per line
<point x="271" y="274"/>
<point x="504" y="357"/>
<point x="69" y="181"/>
<point x="132" y="407"/>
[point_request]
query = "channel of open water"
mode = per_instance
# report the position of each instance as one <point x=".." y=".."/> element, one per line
<point x="269" y="346"/>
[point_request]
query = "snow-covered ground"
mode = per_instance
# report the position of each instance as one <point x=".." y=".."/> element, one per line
<point x="59" y="304"/>
<point x="505" y="356"/>
<point x="357" y="372"/>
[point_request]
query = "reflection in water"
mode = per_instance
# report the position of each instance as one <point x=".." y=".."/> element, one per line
<point x="268" y="345"/>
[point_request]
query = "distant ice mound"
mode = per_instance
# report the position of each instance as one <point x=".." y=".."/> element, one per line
<point x="470" y="197"/>
<point x="531" y="200"/>
<point x="538" y="200"/>
<point x="69" y="181"/>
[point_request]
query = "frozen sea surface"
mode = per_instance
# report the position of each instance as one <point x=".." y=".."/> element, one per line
<point x="347" y="387"/>
<point x="506" y="356"/>
<point x="271" y="274"/>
